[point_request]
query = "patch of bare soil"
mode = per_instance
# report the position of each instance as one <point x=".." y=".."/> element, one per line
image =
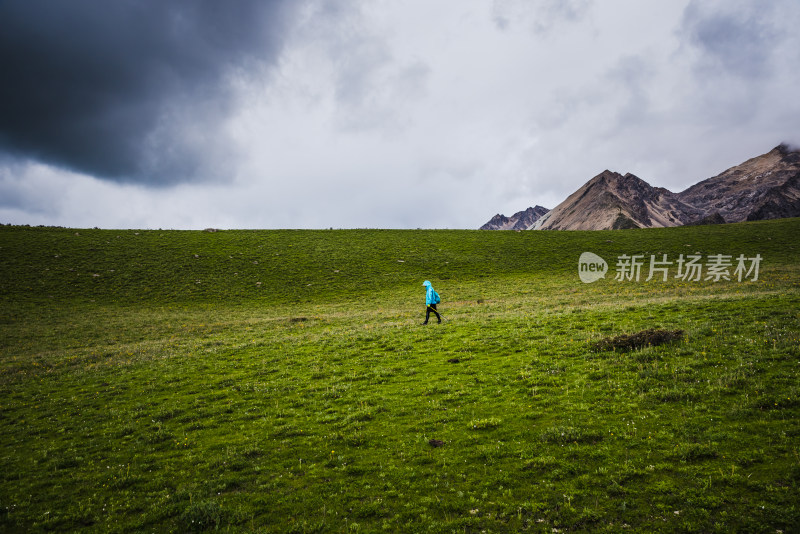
<point x="628" y="342"/>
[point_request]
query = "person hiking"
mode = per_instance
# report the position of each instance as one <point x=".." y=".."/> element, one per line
<point x="431" y="300"/>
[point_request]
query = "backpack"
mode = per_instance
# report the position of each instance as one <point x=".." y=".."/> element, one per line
<point x="436" y="299"/>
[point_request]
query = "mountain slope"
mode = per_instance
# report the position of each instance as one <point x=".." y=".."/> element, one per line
<point x="764" y="187"/>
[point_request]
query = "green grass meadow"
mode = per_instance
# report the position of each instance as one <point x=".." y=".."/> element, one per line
<point x="280" y="381"/>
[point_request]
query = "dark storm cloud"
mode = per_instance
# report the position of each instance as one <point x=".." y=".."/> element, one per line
<point x="129" y="90"/>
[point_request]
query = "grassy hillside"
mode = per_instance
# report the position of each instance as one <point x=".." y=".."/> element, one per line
<point x="280" y="381"/>
<point x="273" y="267"/>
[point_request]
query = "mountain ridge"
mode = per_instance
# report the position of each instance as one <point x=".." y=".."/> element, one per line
<point x="763" y="187"/>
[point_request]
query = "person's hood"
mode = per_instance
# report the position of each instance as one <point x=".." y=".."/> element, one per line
<point x="426" y="283"/>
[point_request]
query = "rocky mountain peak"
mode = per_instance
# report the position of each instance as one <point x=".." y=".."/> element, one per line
<point x="612" y="200"/>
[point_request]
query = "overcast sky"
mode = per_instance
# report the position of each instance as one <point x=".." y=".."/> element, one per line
<point x="191" y="114"/>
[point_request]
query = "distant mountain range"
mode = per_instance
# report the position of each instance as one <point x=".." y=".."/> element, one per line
<point x="522" y="220"/>
<point x="764" y="187"/>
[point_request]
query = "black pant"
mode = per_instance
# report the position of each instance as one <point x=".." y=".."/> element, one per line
<point x="429" y="309"/>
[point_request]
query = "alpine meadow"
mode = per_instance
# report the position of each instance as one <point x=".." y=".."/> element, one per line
<point x="281" y="381"/>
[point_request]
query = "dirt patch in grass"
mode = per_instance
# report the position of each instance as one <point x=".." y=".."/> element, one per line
<point x="628" y="342"/>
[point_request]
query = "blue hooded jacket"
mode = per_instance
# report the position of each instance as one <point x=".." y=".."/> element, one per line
<point x="429" y="293"/>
